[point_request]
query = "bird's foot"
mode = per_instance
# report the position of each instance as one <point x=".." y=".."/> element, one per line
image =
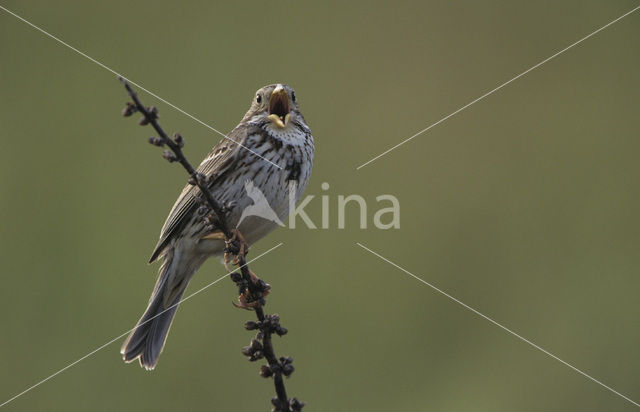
<point x="251" y="295"/>
<point x="251" y="289"/>
<point x="236" y="249"/>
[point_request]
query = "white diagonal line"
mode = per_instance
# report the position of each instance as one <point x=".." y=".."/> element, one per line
<point x="129" y="331"/>
<point x="498" y="324"/>
<point x="134" y="83"/>
<point x="496" y="89"/>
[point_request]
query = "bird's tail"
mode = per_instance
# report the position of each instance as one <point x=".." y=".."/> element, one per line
<point x="146" y="340"/>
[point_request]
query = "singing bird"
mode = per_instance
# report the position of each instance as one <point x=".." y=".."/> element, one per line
<point x="273" y="148"/>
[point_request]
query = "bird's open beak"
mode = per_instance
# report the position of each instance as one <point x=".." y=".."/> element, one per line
<point x="279" y="107"/>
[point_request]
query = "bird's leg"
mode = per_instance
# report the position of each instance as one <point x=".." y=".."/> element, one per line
<point x="243" y="246"/>
<point x="253" y="290"/>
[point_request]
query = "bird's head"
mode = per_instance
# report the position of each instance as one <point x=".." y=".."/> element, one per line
<point x="275" y="105"/>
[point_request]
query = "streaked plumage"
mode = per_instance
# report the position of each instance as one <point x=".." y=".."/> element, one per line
<point x="275" y="131"/>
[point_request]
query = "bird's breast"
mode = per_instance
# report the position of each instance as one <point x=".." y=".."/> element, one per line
<point x="267" y="181"/>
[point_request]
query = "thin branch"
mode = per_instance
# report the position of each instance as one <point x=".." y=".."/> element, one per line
<point x="252" y="290"/>
<point x="151" y="117"/>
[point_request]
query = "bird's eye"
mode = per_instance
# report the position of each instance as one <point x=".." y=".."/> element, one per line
<point x="259" y="98"/>
<point x="293" y="96"/>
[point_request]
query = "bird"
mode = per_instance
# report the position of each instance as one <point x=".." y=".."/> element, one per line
<point x="273" y="148"/>
<point x="260" y="206"/>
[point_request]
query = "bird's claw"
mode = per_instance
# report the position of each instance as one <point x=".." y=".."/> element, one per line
<point x="252" y="290"/>
<point x="245" y="303"/>
<point x="236" y="248"/>
<point x="251" y="295"/>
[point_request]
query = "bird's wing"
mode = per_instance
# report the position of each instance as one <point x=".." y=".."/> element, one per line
<point x="218" y="163"/>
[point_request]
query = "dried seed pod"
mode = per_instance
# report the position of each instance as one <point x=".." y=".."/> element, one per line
<point x="256" y="345"/>
<point x="129" y="109"/>
<point x="251" y="325"/>
<point x="177" y="137"/>
<point x="295" y="405"/>
<point x="156" y="141"/>
<point x="247" y="351"/>
<point x="286" y="359"/>
<point x="287" y="369"/>
<point x="265" y="371"/>
<point x="168" y="154"/>
<point x="153" y="112"/>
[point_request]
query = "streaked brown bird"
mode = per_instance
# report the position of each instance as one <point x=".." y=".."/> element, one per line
<point x="270" y="150"/>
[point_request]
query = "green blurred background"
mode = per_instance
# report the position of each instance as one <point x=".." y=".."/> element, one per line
<point x="524" y="206"/>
